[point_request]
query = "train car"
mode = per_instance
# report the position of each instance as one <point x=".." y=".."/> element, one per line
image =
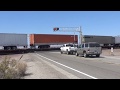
<point x="104" y="41"/>
<point x="43" y="41"/>
<point x="13" y="41"/>
<point x="117" y="42"/>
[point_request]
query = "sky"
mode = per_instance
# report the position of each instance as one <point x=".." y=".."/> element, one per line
<point x="105" y="23"/>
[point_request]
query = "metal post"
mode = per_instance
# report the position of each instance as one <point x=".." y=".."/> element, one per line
<point x="81" y="34"/>
<point x="74" y="37"/>
<point x="112" y="51"/>
<point x="79" y="37"/>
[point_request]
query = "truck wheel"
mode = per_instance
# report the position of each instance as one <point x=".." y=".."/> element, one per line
<point x="14" y="48"/>
<point x="8" y="48"/>
<point x="98" y="55"/>
<point x="72" y="53"/>
<point x="67" y="53"/>
<point x="85" y="55"/>
<point x="61" y="52"/>
<point x="76" y="54"/>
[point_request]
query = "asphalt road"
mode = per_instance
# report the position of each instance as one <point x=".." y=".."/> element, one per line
<point x="84" y="68"/>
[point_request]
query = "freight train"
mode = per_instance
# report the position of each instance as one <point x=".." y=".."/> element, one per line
<point x="104" y="41"/>
<point x="44" y="41"/>
<point x="13" y="41"/>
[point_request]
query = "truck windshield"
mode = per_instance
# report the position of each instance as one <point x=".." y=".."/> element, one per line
<point x="94" y="45"/>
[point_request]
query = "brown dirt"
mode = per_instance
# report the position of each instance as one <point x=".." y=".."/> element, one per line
<point x="107" y="52"/>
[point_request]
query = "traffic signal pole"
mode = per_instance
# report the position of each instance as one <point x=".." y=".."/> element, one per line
<point x="70" y="29"/>
<point x="80" y="35"/>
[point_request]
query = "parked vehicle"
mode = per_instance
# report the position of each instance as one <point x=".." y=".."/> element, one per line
<point x="90" y="48"/>
<point x="68" y="48"/>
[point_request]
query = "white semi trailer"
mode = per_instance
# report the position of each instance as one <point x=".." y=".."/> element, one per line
<point x="13" y="41"/>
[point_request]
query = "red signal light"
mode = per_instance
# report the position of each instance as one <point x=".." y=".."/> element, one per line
<point x="55" y="29"/>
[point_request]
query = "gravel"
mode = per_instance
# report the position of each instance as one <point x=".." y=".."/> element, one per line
<point x="37" y="68"/>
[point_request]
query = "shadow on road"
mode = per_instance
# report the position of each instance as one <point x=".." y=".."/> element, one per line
<point x="94" y="57"/>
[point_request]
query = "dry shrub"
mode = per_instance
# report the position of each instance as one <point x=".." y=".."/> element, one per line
<point x="12" y="69"/>
<point x="22" y="67"/>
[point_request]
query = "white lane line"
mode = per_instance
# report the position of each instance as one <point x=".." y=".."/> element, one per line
<point x="68" y="67"/>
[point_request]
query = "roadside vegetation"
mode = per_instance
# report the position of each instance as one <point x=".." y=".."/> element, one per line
<point x="12" y="69"/>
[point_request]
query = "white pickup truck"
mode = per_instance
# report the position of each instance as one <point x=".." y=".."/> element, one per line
<point x="68" y="48"/>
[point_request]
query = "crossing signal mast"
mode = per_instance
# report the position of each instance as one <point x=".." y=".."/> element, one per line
<point x="70" y="29"/>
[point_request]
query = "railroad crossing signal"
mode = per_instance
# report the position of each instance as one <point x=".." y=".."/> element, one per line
<point x="70" y="29"/>
<point x="55" y="29"/>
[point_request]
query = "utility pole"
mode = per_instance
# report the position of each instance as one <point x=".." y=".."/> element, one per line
<point x="70" y="29"/>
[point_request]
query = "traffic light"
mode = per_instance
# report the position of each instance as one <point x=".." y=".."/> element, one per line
<point x="56" y="29"/>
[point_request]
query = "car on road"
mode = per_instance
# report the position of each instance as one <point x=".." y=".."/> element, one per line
<point x="89" y="49"/>
<point x="68" y="48"/>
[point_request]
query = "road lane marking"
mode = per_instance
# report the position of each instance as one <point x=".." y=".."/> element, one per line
<point x="68" y="67"/>
<point x="69" y="75"/>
